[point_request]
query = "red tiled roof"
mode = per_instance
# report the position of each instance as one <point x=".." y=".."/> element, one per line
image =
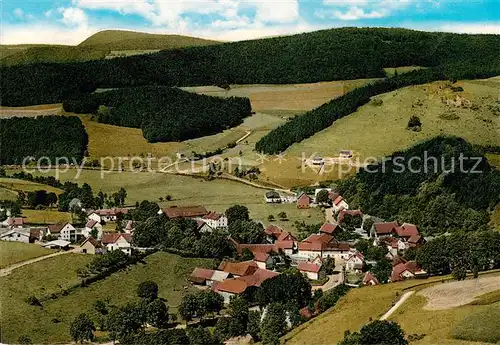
<point x="93" y="241"/>
<point x="322" y="238"/>
<point x="319" y="246"/>
<point x="55" y="228"/>
<point x="185" y="212"/>
<point x="407" y="230"/>
<point x="385" y="228"/>
<point x="370" y="277"/>
<point x="259" y="276"/>
<point x="111" y="211"/>
<point x="333" y="195"/>
<point x="261" y="257"/>
<point x="354" y="213"/>
<point x="112" y="238"/>
<point x="213" y="216"/>
<point x="238" y="268"/>
<point x="199" y="275"/>
<point x="273" y="230"/>
<point x="414" y="239"/>
<point x="303" y="199"/>
<point x="397" y="270"/>
<point x="309" y="267"/>
<point x="90" y="224"/>
<point x="286" y="236"/>
<point x="16" y="221"/>
<point x="328" y="228"/>
<point x="283" y="245"/>
<point x="235" y="286"/>
<point x="338" y="200"/>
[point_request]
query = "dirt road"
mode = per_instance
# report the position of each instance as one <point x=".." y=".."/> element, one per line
<point x="8" y="270"/>
<point x="397" y="305"/>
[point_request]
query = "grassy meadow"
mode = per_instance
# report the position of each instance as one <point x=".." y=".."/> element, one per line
<point x="216" y="195"/>
<point x="14" y="252"/>
<point x="50" y="324"/>
<point x="46" y="216"/>
<point x="25" y="186"/>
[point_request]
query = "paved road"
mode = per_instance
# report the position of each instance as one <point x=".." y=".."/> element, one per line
<point x="397" y="305"/>
<point x="8" y="270"/>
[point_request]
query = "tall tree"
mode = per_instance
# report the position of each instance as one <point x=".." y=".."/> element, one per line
<point x="81" y="329"/>
<point x="237" y="212"/>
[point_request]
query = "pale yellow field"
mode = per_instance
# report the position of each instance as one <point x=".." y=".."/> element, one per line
<point x="46" y="216"/>
<point x="26" y="186"/>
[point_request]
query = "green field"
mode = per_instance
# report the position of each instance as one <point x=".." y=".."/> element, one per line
<point x="7" y="194"/>
<point x="14" y="252"/>
<point x="216" y="195"/>
<point x="375" y="131"/>
<point x="17" y="317"/>
<point x="14" y="184"/>
<point x="46" y="216"/>
<point x="480" y="325"/>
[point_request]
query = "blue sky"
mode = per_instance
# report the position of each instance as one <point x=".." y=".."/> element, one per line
<point x="71" y="21"/>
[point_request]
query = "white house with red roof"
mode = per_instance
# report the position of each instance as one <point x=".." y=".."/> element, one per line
<point x="63" y="231"/>
<point x="339" y="204"/>
<point x="325" y="246"/>
<point x="108" y="214"/>
<point x="311" y="270"/>
<point x="355" y="262"/>
<point x="118" y="241"/>
<point x="215" y="220"/>
<point x="91" y="225"/>
<point x="370" y="279"/>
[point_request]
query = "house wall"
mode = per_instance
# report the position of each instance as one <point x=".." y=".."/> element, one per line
<point x="16" y="237"/>
<point x="68" y="233"/>
<point x="311" y="275"/>
<point x="87" y="248"/>
<point x="95" y="216"/>
<point x="120" y="244"/>
<point x="226" y="295"/>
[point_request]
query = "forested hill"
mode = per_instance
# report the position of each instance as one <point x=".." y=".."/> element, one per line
<point x="336" y="54"/>
<point x="442" y="197"/>
<point x="43" y="136"/>
<point x="163" y="113"/>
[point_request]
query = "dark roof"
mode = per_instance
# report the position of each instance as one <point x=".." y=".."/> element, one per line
<point x="272" y="194"/>
<point x="385" y="228"/>
<point x="199" y="275"/>
<point x="185" y="212"/>
<point x="407" y="230"/>
<point x="328" y="228"/>
<point x="57" y="227"/>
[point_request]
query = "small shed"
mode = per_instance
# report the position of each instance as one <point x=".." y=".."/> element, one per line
<point x="57" y="244"/>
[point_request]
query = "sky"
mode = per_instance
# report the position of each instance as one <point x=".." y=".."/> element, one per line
<point x="71" y="21"/>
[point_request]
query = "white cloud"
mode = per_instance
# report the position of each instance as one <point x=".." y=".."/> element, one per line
<point x="356" y="13"/>
<point x="73" y="16"/>
<point x="18" y="13"/>
<point x="48" y="14"/>
<point x="41" y="33"/>
<point x="277" y="11"/>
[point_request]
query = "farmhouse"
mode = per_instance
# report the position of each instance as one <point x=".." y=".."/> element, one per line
<point x="263" y="260"/>
<point x="201" y="276"/>
<point x="272" y="232"/>
<point x="384" y="229"/>
<point x="407" y="270"/>
<point x="63" y="231"/>
<point x="16" y="235"/>
<point x="323" y="245"/>
<point x="203" y="227"/>
<point x="91" y="225"/>
<point x="17" y="222"/>
<point x="184" y="212"/>
<point x="355" y="262"/>
<point x="91" y="246"/>
<point x="311" y="270"/>
<point x="110" y="214"/>
<point x="406" y="231"/>
<point x="329" y="228"/>
<point x="215" y="220"/>
<point x="272" y="197"/>
<point x="304" y="201"/>
<point x="238" y="269"/>
<point x="370" y="279"/>
<point x="339" y="204"/>
<point x="118" y="242"/>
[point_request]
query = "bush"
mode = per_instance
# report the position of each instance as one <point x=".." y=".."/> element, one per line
<point x="414" y="121"/>
<point x="32" y="300"/>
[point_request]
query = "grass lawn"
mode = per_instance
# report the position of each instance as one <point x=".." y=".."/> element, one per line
<point x="167" y="270"/>
<point x="7" y="194"/>
<point x="27" y="186"/>
<point x="216" y="195"/>
<point x="376" y="131"/>
<point x="469" y="322"/>
<point x="41" y="278"/>
<point x="46" y="216"/>
<point x="14" y="252"/>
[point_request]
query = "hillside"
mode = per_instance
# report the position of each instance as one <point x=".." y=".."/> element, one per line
<point x="303" y="58"/>
<point x="108" y="43"/>
<point x="131" y="40"/>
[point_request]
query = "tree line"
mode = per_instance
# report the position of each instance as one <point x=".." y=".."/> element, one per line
<point x="163" y="113"/>
<point x="43" y="136"/>
<point x="304" y="126"/>
<point x="303" y="58"/>
<point x="436" y="194"/>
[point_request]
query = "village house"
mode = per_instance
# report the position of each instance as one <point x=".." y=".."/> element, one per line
<point x="272" y="233"/>
<point x="129" y="226"/>
<point x="355" y="262"/>
<point x="63" y="231"/>
<point x="195" y="212"/>
<point x="370" y="279"/>
<point x="394" y="245"/>
<point x="37" y="233"/>
<point x="415" y="241"/>
<point x="91" y="246"/>
<point x="16" y="222"/>
<point x="238" y="269"/>
<point x="16" y="235"/>
<point x="311" y="270"/>
<point x="339" y="204"/>
<point x="304" y="201"/>
<point x="406" y="231"/>
<point x="110" y="214"/>
<point x="94" y="216"/>
<point x="407" y="270"/>
<point x="121" y="242"/>
<point x="203" y="227"/>
<point x="201" y="276"/>
<point x="325" y="246"/>
<point x="329" y="228"/>
<point x="273" y="197"/>
<point x="263" y="260"/>
<point x="384" y="229"/>
<point x="215" y="220"/>
<point x="90" y="226"/>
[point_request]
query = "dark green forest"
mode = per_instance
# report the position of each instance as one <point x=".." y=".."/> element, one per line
<point x="442" y="192"/>
<point x="44" y="136"/>
<point x="336" y="54"/>
<point x="163" y="113"/>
